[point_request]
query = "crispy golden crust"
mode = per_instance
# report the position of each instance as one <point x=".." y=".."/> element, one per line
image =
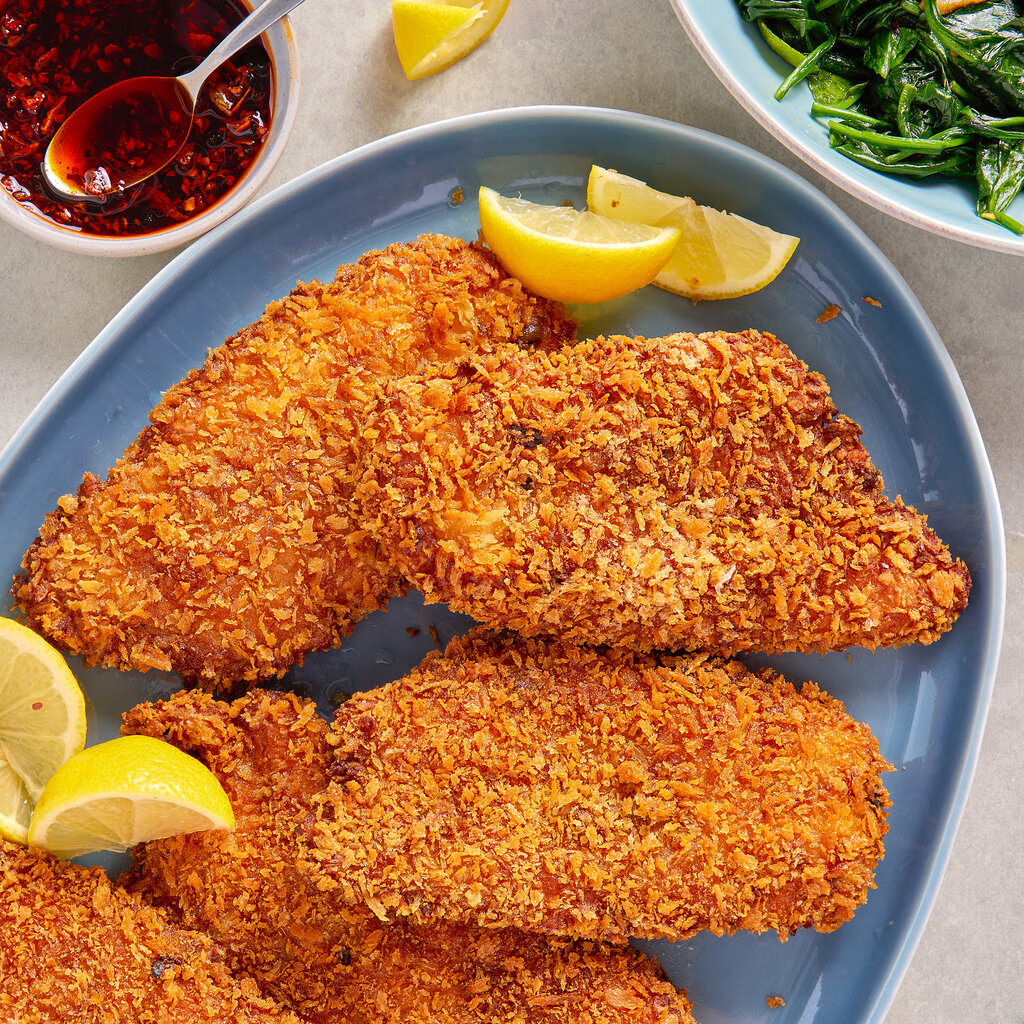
<point x="694" y="492"/>
<point x="601" y="794"/>
<point x="224" y="544"/>
<point x="338" y="964"/>
<point x="73" y="947"/>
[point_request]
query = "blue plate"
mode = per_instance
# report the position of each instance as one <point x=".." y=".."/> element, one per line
<point x="735" y="51"/>
<point x="887" y="369"/>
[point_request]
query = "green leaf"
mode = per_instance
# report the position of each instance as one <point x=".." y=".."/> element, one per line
<point x="833" y="90"/>
<point x="1000" y="175"/>
<point x="887" y="50"/>
<point x="796" y="13"/>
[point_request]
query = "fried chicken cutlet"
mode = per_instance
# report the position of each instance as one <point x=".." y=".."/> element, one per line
<point x="337" y="964"/>
<point x="74" y="947"/>
<point x="688" y="492"/>
<point x="224" y="543"/>
<point x="601" y="794"/>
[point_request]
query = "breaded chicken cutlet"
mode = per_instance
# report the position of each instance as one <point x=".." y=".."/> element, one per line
<point x="337" y="964"/>
<point x="600" y="794"/>
<point x="224" y="543"/>
<point x="74" y="947"/>
<point x="693" y="492"/>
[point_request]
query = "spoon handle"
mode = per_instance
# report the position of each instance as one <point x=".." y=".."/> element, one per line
<point x="245" y="31"/>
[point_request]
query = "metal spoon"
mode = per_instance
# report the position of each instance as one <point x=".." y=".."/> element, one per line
<point x="84" y="159"/>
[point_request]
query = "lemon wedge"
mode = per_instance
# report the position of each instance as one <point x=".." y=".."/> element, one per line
<point x="42" y="713"/>
<point x="719" y="255"/>
<point x="126" y="791"/>
<point x="572" y="255"/>
<point x="430" y="37"/>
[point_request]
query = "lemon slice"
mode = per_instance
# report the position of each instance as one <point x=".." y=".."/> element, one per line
<point x="719" y="255"/>
<point x="572" y="255"/>
<point x="432" y="36"/>
<point x="126" y="791"/>
<point x="42" y="709"/>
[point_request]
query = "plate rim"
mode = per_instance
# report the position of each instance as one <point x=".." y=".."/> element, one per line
<point x="831" y="168"/>
<point x="991" y="519"/>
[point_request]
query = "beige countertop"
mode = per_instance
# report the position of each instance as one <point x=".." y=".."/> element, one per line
<point x="635" y="56"/>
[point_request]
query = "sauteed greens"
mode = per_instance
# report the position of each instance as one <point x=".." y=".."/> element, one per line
<point x="909" y="90"/>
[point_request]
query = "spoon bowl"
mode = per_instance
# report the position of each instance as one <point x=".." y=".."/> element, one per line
<point x="118" y="138"/>
<point x="129" y="131"/>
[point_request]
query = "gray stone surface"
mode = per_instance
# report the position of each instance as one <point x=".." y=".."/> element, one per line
<point x="635" y="56"/>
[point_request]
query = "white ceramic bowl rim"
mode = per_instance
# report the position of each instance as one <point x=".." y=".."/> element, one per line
<point x="280" y="42"/>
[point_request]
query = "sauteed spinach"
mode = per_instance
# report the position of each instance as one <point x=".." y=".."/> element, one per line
<point x="908" y="90"/>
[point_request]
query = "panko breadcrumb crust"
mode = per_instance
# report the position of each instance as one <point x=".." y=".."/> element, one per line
<point x="224" y="544"/>
<point x="693" y="492"/>
<point x="600" y="794"/>
<point x="337" y="964"/>
<point x="77" y="948"/>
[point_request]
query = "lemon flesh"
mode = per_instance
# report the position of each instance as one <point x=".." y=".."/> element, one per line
<point x="430" y="37"/>
<point x="126" y="791"/>
<point x="15" y="805"/>
<point x="571" y="255"/>
<point x="42" y="708"/>
<point x="719" y="256"/>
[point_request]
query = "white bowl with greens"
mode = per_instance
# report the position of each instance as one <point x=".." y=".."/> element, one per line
<point x="902" y="90"/>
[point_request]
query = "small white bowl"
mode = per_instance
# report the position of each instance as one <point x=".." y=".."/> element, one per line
<point x="280" y="43"/>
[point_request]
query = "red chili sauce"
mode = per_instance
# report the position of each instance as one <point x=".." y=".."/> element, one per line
<point x="55" y="54"/>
